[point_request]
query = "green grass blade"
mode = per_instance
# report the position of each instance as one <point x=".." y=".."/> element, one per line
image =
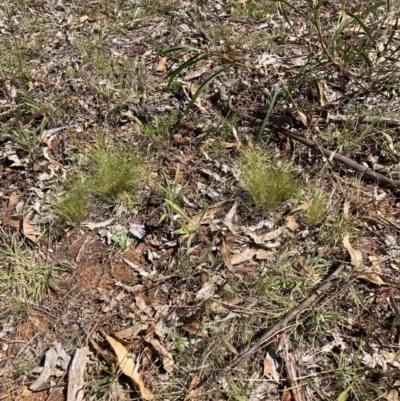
<point x="361" y="23"/>
<point x="181" y="48"/>
<point x="178" y="209"/>
<point x="205" y="85"/>
<point x="270" y="108"/>
<point x="193" y="60"/>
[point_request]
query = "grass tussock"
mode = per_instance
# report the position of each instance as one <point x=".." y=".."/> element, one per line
<point x="266" y="181"/>
<point x="23" y="275"/>
<point x="318" y="208"/>
<point x="114" y="177"/>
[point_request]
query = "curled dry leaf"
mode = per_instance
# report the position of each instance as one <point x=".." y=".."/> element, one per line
<point x="127" y="367"/>
<point x="28" y="230"/>
<point x="209" y="214"/>
<point x="321" y="95"/>
<point x="248" y="254"/>
<point x="302" y="206"/>
<point x="225" y="253"/>
<point x="192" y="325"/>
<point x="267" y="366"/>
<point x="12" y="201"/>
<point x="162" y="64"/>
<point x="166" y="357"/>
<point x="194" y="391"/>
<point x="372" y="278"/>
<point x="356" y="255"/>
<point x="291" y="223"/>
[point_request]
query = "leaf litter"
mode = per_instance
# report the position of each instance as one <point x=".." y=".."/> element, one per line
<point x="150" y="291"/>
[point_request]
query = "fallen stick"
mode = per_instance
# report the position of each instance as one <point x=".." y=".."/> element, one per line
<point x="282" y="324"/>
<point x="366" y="171"/>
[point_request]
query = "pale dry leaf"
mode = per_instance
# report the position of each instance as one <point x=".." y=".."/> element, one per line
<point x="83" y="19"/>
<point x="302" y="206"/>
<point x="131" y="332"/>
<point x="12" y="201"/>
<point x="302" y="117"/>
<point x="225" y="253"/>
<point x="267" y="367"/>
<point x="393" y="395"/>
<point x="194" y="391"/>
<point x="192" y="325"/>
<point x="356" y="255"/>
<point x="321" y="95"/>
<point x="376" y="267"/>
<point x="162" y="64"/>
<point x="28" y="230"/>
<point x="291" y="223"/>
<point x="346" y="210"/>
<point x="248" y="254"/>
<point x="208" y="214"/>
<point x="205" y="291"/>
<point x="372" y="277"/>
<point x="127" y="367"/>
<point x="166" y="357"/>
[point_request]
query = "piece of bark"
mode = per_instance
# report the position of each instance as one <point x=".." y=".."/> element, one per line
<point x="75" y="375"/>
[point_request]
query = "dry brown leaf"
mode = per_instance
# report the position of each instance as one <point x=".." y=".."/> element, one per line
<point x="178" y="138"/>
<point x="346" y="210"/>
<point x="291" y="223"/>
<point x="248" y="254"/>
<point x="127" y="367"/>
<point x="302" y="206"/>
<point x="131" y="332"/>
<point x="321" y="95"/>
<point x="272" y="234"/>
<point x="225" y="253"/>
<point x="356" y="255"/>
<point x="162" y="64"/>
<point x="209" y="214"/>
<point x="372" y="277"/>
<point x="194" y="391"/>
<point x="302" y="117"/>
<point x="286" y="395"/>
<point x="230" y="145"/>
<point x="393" y="395"/>
<point x="192" y="325"/>
<point x="267" y="366"/>
<point x="12" y="201"/>
<point x="247" y="269"/>
<point x="28" y="231"/>
<point x="166" y="357"/>
<point x="302" y="267"/>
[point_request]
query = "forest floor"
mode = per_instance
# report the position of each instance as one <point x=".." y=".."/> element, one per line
<point x="199" y="200"/>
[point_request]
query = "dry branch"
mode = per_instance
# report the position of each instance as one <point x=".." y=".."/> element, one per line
<point x="282" y="324"/>
<point x="367" y="172"/>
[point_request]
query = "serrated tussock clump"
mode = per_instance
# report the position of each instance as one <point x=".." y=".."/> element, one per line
<point x="265" y="180"/>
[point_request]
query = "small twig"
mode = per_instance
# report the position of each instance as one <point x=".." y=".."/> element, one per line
<point x="48" y="398"/>
<point x="282" y="324"/>
<point x="289" y="359"/>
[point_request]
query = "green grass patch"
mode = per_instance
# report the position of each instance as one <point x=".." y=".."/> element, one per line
<point x="266" y="180"/>
<point x="114" y="177"/>
<point x="23" y="274"/>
